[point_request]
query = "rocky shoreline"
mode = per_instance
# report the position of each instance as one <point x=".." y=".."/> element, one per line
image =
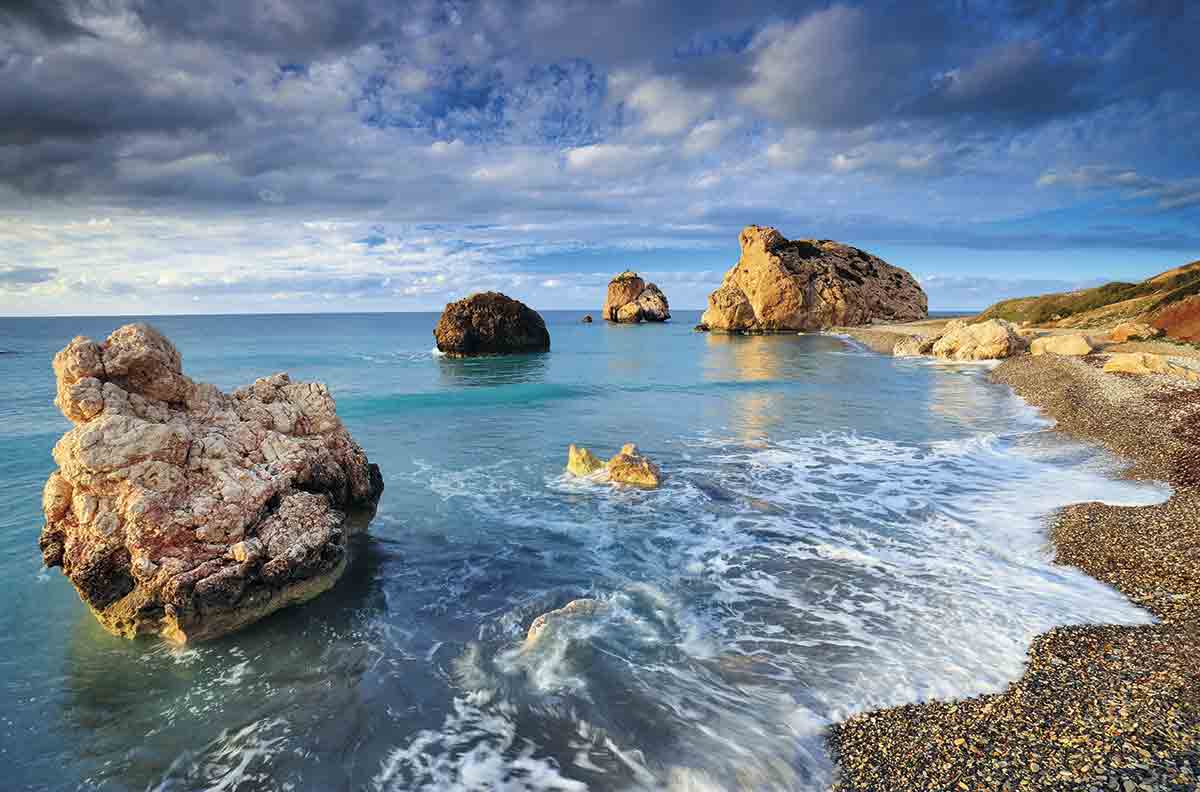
<point x="1098" y="707"/>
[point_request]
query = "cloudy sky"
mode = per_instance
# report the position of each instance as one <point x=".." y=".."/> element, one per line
<point x="161" y="156"/>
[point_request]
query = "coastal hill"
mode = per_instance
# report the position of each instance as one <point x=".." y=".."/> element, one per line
<point x="1169" y="301"/>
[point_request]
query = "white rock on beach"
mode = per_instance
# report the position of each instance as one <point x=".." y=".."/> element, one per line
<point x="989" y="340"/>
<point x="1074" y="345"/>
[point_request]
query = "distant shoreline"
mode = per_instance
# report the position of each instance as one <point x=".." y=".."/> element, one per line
<point x="1099" y="706"/>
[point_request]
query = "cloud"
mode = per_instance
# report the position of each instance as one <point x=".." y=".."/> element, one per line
<point x="613" y="159"/>
<point x="21" y="277"/>
<point x="1166" y="194"/>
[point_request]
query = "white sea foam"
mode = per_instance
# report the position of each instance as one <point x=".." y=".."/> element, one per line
<point x="837" y="573"/>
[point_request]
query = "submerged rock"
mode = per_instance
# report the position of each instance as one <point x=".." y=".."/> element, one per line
<point x="990" y="340"/>
<point x="490" y="323"/>
<point x="630" y="299"/>
<point x="1074" y="345"/>
<point x="785" y="285"/>
<point x="630" y="467"/>
<point x="587" y="319"/>
<point x="181" y="511"/>
<point x="575" y="609"/>
<point x="582" y="462"/>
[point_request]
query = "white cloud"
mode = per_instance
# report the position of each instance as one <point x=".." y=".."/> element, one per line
<point x="614" y="159"/>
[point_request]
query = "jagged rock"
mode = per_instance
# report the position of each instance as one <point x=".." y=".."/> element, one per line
<point x="490" y="323"/>
<point x="1133" y="331"/>
<point x="582" y="462"/>
<point x="630" y="467"/>
<point x="988" y="340"/>
<point x="630" y="299"/>
<point x="914" y="346"/>
<point x="1143" y="363"/>
<point x="780" y="285"/>
<point x="1074" y="345"/>
<point x="587" y="319"/>
<point x="575" y="609"/>
<point x="180" y="511"/>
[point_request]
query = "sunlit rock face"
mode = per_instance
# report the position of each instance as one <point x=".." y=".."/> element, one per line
<point x="781" y="285"/>
<point x="181" y="511"/>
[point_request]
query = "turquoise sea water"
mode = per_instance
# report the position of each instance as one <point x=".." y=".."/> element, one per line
<point x="837" y="531"/>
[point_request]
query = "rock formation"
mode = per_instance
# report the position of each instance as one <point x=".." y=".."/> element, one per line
<point x="1133" y="331"/>
<point x="582" y="462"/>
<point x="915" y="346"/>
<point x="630" y="299"/>
<point x="490" y="324"/>
<point x="1143" y="363"/>
<point x="990" y="340"/>
<point x="587" y="319"/>
<point x="628" y="466"/>
<point x="181" y="511"/>
<point x="780" y="285"/>
<point x="1074" y="345"/>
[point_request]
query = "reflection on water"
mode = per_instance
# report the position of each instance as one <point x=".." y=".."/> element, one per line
<point x="491" y="370"/>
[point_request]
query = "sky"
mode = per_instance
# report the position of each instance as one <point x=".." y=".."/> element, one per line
<point x="177" y="156"/>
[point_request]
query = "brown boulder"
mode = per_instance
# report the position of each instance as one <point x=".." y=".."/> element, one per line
<point x="630" y="299"/>
<point x="180" y="511"/>
<point x="490" y="324"/>
<point x="988" y="340"/>
<point x="779" y="285"/>
<point x="1133" y="331"/>
<point x="630" y="467"/>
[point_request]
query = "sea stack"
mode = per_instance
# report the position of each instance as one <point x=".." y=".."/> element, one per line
<point x="631" y="299"/>
<point x="781" y="285"/>
<point x="178" y="510"/>
<point x="490" y="323"/>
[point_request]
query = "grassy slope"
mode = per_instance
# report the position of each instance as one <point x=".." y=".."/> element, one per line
<point x="1112" y="301"/>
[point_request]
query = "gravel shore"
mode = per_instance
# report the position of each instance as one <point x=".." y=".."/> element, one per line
<point x="1099" y="707"/>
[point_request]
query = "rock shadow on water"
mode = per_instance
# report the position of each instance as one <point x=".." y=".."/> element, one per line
<point x="492" y="370"/>
<point x="233" y="709"/>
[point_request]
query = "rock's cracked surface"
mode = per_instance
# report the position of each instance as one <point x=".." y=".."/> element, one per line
<point x="181" y="511"/>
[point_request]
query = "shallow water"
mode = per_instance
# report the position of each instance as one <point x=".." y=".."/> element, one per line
<point x="838" y="531"/>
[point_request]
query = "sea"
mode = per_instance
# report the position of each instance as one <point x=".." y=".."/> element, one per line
<point x="837" y="531"/>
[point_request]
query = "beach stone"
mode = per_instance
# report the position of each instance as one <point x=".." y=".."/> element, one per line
<point x="180" y="511"/>
<point x="989" y="340"/>
<point x="490" y="323"/>
<point x="630" y="299"/>
<point x="582" y="462"/>
<point x="630" y="467"/>
<point x="1143" y="363"/>
<point x="783" y="285"/>
<point x="575" y="609"/>
<point x="1075" y="345"/>
<point x="914" y="346"/>
<point x="1133" y="331"/>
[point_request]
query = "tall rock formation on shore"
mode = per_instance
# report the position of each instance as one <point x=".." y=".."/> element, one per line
<point x="783" y="285"/>
<point x="490" y="323"/>
<point x="181" y="511"/>
<point x="631" y="299"/>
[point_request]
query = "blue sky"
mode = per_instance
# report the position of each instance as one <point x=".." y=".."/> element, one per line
<point x="172" y="156"/>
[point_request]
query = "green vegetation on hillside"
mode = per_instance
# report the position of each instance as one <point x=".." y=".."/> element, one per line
<point x="1052" y="307"/>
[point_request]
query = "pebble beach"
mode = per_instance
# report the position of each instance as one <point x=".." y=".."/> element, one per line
<point x="1098" y="707"/>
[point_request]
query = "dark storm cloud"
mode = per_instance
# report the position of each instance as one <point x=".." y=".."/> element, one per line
<point x="54" y="20"/>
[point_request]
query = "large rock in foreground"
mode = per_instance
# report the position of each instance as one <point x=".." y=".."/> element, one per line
<point x="180" y="511"/>
<point x="780" y="285"/>
<point x="490" y="324"/>
<point x="631" y="299"/>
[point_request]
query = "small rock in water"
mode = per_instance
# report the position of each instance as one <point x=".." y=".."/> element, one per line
<point x="580" y="608"/>
<point x="582" y="462"/>
<point x="630" y="467"/>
